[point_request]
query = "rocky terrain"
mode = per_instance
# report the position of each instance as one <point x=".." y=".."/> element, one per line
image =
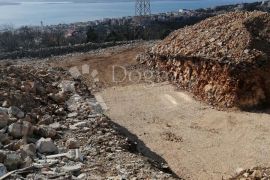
<point x="222" y="60"/>
<point x="252" y="174"/>
<point x="53" y="128"/>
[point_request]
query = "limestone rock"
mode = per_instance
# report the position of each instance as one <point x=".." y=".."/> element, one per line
<point x="16" y="112"/>
<point x="20" y="129"/>
<point x="3" y="119"/>
<point x="30" y="150"/>
<point x="46" y="131"/>
<point x="13" y="161"/>
<point x="223" y="60"/>
<point x="46" y="146"/>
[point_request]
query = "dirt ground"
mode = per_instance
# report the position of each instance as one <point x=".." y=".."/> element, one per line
<point x="197" y="141"/>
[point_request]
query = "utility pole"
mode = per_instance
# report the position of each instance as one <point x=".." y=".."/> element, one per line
<point x="142" y="8"/>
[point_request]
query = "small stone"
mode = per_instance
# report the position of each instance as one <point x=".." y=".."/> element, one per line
<point x="13" y="161"/>
<point x="55" y="125"/>
<point x="3" y="110"/>
<point x="46" y="119"/>
<point x="212" y="39"/>
<point x="20" y="129"/>
<point x="82" y="176"/>
<point x="5" y="104"/>
<point x="245" y="175"/>
<point x="3" y="156"/>
<point x="60" y="112"/>
<point x="73" y="168"/>
<point x="71" y="115"/>
<point x="72" y="143"/>
<point x="246" y="51"/>
<point x="3" y="170"/>
<point x="67" y="86"/>
<point x="257" y="174"/>
<point x="3" y="120"/>
<point x="46" y="132"/>
<point x="81" y="124"/>
<point x="16" y="112"/>
<point x="46" y="146"/>
<point x="239" y="170"/>
<point x="30" y="150"/>
<point x="58" y="98"/>
<point x="15" y="145"/>
<point x="27" y="162"/>
<point x="220" y="43"/>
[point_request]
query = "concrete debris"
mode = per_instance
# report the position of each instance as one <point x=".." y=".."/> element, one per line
<point x="223" y="60"/>
<point x="46" y="111"/>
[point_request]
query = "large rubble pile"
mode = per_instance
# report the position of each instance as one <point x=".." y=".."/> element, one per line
<point x="51" y="127"/>
<point x="222" y="60"/>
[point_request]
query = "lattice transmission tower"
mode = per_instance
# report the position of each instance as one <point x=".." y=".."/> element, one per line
<point x="142" y="8"/>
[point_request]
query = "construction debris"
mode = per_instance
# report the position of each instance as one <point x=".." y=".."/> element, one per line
<point x="52" y="127"/>
<point x="223" y="60"/>
<point x="252" y="174"/>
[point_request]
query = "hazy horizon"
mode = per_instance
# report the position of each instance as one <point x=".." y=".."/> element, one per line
<point x="32" y="12"/>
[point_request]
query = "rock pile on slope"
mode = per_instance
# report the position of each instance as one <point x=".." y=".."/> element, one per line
<point x="52" y="127"/>
<point x="222" y="60"/>
<point x="252" y="174"/>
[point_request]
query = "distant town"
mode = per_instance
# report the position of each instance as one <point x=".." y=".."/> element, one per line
<point x="156" y="26"/>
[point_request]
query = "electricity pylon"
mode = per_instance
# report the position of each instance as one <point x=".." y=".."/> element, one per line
<point x="142" y="8"/>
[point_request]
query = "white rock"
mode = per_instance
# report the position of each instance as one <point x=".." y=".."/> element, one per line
<point x="72" y="168"/>
<point x="82" y="176"/>
<point x="239" y="170"/>
<point x="74" y="114"/>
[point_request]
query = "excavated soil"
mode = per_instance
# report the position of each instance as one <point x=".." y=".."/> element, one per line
<point x="223" y="60"/>
<point x="197" y="141"/>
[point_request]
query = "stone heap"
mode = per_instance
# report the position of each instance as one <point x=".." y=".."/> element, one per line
<point x="223" y="60"/>
<point x="252" y="174"/>
<point x="52" y="127"/>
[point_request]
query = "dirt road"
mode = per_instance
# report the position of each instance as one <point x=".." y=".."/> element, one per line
<point x="196" y="140"/>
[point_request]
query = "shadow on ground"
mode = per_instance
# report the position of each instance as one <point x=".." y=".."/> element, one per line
<point x="139" y="147"/>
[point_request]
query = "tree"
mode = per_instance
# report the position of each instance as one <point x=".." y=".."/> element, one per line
<point x="91" y="35"/>
<point x="8" y="39"/>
